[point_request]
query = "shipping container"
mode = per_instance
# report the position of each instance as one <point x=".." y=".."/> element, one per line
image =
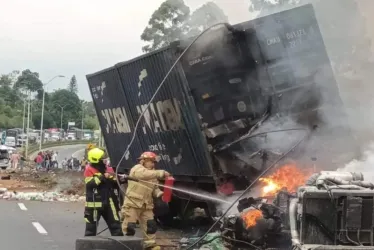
<point x="170" y="127"/>
<point x="228" y="81"/>
<point x="114" y="116"/>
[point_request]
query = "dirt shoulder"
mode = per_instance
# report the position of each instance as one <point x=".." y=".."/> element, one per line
<point x="30" y="180"/>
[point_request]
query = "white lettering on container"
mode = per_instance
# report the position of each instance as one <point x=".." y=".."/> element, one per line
<point x="116" y="120"/>
<point x="273" y="40"/>
<point x="296" y="34"/>
<point x="161" y="116"/>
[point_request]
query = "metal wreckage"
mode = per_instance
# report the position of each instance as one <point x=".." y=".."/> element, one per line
<point x="211" y="125"/>
<point x="333" y="210"/>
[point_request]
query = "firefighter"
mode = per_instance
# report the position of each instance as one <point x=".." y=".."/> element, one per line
<point x="100" y="197"/>
<point x="138" y="204"/>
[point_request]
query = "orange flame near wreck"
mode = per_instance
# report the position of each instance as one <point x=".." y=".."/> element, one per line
<point x="251" y="217"/>
<point x="289" y="177"/>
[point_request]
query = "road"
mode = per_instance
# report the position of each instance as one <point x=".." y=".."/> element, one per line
<point x="33" y="225"/>
<point x="66" y="151"/>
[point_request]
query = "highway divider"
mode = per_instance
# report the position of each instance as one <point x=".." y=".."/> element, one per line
<point x="35" y="147"/>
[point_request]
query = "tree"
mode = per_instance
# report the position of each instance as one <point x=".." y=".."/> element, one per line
<point x="91" y="123"/>
<point x="166" y="25"/>
<point x="73" y="86"/>
<point x="12" y="86"/>
<point x="271" y="5"/>
<point x="204" y="17"/>
<point x="28" y="80"/>
<point x="72" y="107"/>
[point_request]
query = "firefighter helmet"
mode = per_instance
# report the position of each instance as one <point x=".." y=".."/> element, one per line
<point x="91" y="146"/>
<point x="96" y="155"/>
<point x="148" y="156"/>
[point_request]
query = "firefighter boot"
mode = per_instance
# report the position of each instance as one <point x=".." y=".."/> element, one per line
<point x="151" y="245"/>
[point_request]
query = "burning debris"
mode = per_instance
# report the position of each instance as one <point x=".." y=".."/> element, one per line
<point x="251" y="217"/>
<point x="331" y="209"/>
<point x="288" y="177"/>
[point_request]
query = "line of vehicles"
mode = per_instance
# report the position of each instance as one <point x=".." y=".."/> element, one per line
<point x="16" y="137"/>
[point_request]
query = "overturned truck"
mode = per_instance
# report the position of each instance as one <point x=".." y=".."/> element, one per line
<point x="232" y="82"/>
<point x="334" y="210"/>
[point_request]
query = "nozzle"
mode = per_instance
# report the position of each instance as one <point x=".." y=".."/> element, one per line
<point x="126" y="177"/>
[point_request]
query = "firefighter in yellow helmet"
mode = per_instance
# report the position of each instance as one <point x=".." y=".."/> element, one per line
<point x="138" y="204"/>
<point x="100" y="197"/>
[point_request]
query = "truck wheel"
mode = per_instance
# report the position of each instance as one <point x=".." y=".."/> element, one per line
<point x="3" y="168"/>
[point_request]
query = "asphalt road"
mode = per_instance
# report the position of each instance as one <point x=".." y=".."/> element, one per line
<point x="69" y="151"/>
<point x="33" y="225"/>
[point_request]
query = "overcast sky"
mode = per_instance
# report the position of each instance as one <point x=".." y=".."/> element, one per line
<point x="78" y="37"/>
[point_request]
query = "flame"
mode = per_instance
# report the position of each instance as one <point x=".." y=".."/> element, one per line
<point x="289" y="177"/>
<point x="250" y="217"/>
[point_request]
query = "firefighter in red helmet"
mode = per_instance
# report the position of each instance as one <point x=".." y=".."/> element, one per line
<point x="138" y="204"/>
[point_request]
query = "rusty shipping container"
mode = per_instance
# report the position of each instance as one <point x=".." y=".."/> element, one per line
<point x="223" y="86"/>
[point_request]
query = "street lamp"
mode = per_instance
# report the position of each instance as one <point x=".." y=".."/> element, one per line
<point x="28" y="123"/>
<point x="62" y="113"/>
<point x="42" y="118"/>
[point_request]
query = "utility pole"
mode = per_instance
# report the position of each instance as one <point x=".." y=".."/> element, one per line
<point x="42" y="118"/>
<point x="28" y="124"/>
<point x="82" y="117"/>
<point x="62" y="113"/>
<point x="23" y="120"/>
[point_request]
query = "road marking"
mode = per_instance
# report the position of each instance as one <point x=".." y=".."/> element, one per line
<point x="39" y="228"/>
<point x="22" y="206"/>
<point x="75" y="154"/>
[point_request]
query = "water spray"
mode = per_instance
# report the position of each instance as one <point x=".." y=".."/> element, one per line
<point x="205" y="197"/>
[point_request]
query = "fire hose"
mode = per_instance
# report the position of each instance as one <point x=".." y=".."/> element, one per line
<point x="248" y="188"/>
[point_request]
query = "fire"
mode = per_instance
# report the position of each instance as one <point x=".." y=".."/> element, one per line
<point x="289" y="177"/>
<point x="250" y="217"/>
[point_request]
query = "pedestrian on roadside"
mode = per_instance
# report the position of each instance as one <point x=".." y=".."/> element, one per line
<point x="83" y="163"/>
<point x="64" y="164"/>
<point x="54" y="162"/>
<point x="39" y="161"/>
<point x="14" y="160"/>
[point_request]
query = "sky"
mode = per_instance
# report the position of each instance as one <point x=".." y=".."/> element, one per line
<point x="79" y="37"/>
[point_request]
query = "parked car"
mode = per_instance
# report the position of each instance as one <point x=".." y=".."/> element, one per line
<point x="4" y="158"/>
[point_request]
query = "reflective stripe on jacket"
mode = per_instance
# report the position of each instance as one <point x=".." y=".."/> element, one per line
<point x="98" y="188"/>
<point x="140" y="194"/>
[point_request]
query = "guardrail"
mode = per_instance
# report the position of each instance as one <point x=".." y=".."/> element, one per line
<point x="35" y="147"/>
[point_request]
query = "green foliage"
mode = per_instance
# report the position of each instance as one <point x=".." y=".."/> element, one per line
<point x="204" y="17"/>
<point x="268" y="5"/>
<point x="67" y="102"/>
<point x="166" y="25"/>
<point x="73" y="86"/>
<point x="13" y="87"/>
<point x="90" y="122"/>
<point x="28" y="80"/>
<point x="172" y="21"/>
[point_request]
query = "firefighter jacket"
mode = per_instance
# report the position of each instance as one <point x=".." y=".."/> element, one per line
<point x="140" y="194"/>
<point x="99" y="188"/>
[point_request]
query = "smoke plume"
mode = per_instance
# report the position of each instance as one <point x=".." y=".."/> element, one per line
<point x="364" y="164"/>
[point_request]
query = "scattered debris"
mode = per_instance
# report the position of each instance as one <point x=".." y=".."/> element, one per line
<point x="39" y="196"/>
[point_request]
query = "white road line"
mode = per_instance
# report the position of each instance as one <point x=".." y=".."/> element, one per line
<point x="39" y="228"/>
<point x="22" y="206"/>
<point x="76" y="153"/>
